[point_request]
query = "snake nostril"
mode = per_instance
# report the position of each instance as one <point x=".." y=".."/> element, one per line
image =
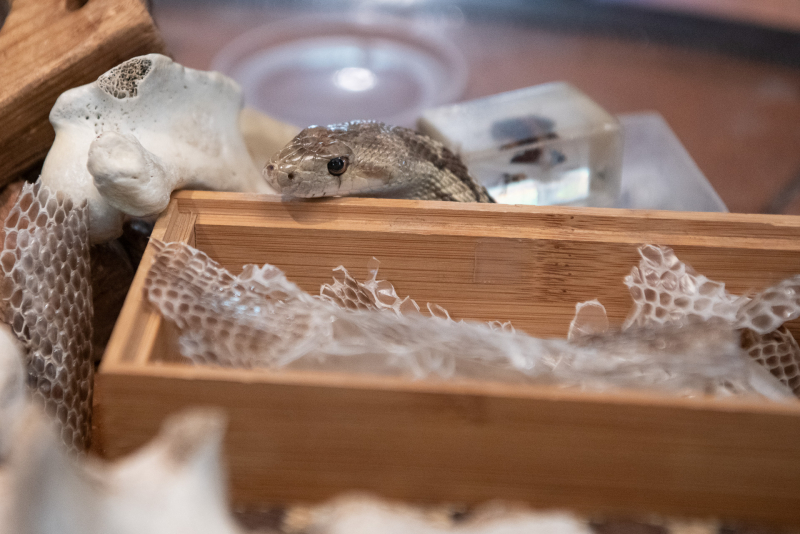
<point x="290" y="176"/>
<point x="270" y="168"/>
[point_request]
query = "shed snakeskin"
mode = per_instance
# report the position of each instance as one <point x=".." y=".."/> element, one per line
<point x="47" y="294"/>
<point x="371" y="159"/>
<point x="667" y="291"/>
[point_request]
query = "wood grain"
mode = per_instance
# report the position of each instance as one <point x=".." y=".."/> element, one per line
<point x="49" y="46"/>
<point x="308" y="438"/>
<point x="299" y="436"/>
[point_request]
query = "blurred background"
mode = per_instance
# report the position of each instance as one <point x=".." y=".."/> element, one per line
<point x="725" y="74"/>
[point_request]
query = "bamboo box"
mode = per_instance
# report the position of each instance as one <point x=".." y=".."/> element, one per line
<point x="306" y="436"/>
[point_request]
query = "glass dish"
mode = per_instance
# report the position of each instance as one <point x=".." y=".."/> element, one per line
<point x="325" y="69"/>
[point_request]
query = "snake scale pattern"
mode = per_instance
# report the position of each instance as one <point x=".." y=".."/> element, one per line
<point x="47" y="300"/>
<point x="371" y="159"/>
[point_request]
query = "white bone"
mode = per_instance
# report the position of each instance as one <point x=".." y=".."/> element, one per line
<point x="141" y="130"/>
<point x="173" y="485"/>
<point x="357" y="514"/>
<point x="13" y="396"/>
<point x="47" y="493"/>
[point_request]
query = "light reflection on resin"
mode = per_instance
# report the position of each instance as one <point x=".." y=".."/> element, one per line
<point x="354" y="79"/>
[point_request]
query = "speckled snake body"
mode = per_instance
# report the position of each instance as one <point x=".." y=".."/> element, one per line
<point x="364" y="158"/>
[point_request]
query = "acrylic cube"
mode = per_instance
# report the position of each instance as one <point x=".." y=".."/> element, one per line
<point x="547" y="144"/>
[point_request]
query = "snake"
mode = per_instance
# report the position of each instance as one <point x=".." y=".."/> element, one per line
<point x="371" y="159"/>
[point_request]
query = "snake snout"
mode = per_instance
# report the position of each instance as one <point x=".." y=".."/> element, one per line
<point x="280" y="179"/>
<point x="272" y="176"/>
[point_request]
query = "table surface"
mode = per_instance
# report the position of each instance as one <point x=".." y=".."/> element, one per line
<point x="739" y="118"/>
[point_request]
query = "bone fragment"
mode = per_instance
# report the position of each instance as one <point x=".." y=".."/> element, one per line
<point x="360" y="514"/>
<point x="141" y="130"/>
<point x="12" y="388"/>
<point x="175" y="484"/>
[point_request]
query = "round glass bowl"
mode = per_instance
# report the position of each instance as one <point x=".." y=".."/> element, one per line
<point x="322" y="70"/>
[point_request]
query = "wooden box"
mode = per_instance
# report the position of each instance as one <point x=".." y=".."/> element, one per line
<point x="305" y="436"/>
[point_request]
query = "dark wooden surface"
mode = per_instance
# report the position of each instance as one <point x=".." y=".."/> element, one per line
<point x="771" y="13"/>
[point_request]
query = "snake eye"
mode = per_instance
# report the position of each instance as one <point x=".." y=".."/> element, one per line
<point x="337" y="166"/>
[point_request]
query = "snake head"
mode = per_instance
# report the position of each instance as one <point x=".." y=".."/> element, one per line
<point x="313" y="164"/>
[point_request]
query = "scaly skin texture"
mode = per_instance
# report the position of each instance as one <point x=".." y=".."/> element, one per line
<point x="380" y="161"/>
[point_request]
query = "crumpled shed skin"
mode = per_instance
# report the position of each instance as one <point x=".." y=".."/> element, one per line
<point x="260" y="319"/>
<point x="666" y="291"/>
<point x="778" y="352"/>
<point x="48" y="298"/>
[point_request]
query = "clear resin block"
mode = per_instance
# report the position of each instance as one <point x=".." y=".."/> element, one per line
<point x="547" y="144"/>
<point x="657" y="171"/>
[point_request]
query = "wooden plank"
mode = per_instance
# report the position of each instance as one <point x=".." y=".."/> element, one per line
<point x="181" y="227"/>
<point x="494" y="220"/>
<point x="49" y="46"/>
<point x="300" y="440"/>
